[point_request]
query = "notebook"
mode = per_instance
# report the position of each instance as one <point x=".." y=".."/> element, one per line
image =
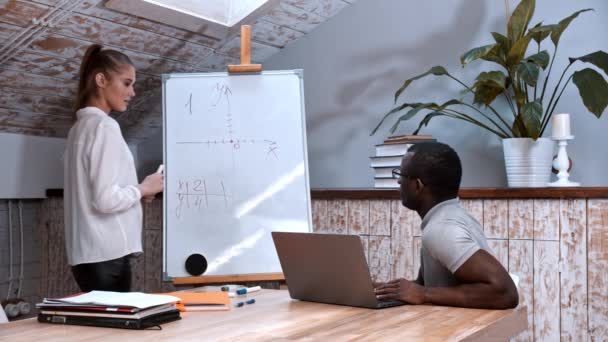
<point x="202" y="301"/>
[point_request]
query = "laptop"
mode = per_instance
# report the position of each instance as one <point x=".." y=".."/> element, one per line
<point x="327" y="268"/>
<point x="150" y="321"/>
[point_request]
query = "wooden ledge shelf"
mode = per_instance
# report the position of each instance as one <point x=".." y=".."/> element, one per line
<point x="468" y="193"/>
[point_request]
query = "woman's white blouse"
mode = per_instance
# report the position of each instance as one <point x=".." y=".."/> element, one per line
<point x="103" y="215"/>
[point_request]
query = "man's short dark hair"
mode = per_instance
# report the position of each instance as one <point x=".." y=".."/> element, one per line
<point x="438" y="166"/>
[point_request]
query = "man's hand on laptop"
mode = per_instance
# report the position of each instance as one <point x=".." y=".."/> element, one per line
<point x="400" y="289"/>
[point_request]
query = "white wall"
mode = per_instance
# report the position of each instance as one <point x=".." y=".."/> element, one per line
<point x="30" y="165"/>
<point x="354" y="62"/>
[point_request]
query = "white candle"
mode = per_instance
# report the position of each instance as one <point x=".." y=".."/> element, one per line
<point x="560" y="126"/>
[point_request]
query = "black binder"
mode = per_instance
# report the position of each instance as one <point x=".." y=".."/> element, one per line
<point x="112" y="322"/>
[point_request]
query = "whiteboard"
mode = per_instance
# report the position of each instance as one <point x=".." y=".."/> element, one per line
<point x="235" y="169"/>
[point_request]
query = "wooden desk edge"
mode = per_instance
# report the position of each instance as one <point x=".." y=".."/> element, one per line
<point x="511" y="326"/>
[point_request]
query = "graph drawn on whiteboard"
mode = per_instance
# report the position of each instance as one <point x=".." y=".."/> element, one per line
<point x="235" y="169"/>
<point x="221" y="103"/>
<point x="194" y="194"/>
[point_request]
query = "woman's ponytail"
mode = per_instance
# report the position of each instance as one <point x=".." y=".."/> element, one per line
<point x="96" y="60"/>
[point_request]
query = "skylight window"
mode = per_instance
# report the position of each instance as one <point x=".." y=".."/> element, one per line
<point x="225" y="12"/>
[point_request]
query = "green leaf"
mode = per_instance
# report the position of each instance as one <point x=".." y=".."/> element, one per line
<point x="496" y="55"/>
<point x="597" y="58"/>
<point x="563" y="24"/>
<point x="497" y="78"/>
<point x="436" y="70"/>
<point x="518" y="50"/>
<point x="520" y="98"/>
<point x="425" y="121"/>
<point x="502" y="41"/>
<point x="540" y="33"/>
<point x="516" y="130"/>
<point x="593" y="89"/>
<point x="447" y="104"/>
<point x="531" y="114"/>
<point x="528" y="72"/>
<point x="486" y="94"/>
<point x="488" y="86"/>
<point x="392" y="111"/>
<point x="411" y="113"/>
<point x="475" y="53"/>
<point x="519" y="20"/>
<point x="541" y="59"/>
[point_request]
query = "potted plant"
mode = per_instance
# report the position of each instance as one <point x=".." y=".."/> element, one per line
<point x="528" y="156"/>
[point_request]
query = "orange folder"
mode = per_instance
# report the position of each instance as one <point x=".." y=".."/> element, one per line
<point x="202" y="301"/>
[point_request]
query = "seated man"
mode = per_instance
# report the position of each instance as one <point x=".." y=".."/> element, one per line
<point x="457" y="267"/>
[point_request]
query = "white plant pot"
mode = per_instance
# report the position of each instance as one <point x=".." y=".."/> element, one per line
<point x="528" y="162"/>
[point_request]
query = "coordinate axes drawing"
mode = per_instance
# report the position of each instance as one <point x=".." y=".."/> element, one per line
<point x="194" y="193"/>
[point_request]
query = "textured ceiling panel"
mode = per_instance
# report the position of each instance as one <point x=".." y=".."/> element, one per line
<point x="42" y="42"/>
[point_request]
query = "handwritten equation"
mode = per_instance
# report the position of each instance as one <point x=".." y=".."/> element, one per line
<point x="195" y="194"/>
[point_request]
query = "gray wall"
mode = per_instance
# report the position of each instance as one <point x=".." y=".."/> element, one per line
<point x="354" y="62"/>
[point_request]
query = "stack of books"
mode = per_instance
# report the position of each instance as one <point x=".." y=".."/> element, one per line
<point x="128" y="310"/>
<point x="388" y="157"/>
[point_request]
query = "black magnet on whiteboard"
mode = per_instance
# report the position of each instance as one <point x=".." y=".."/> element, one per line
<point x="196" y="264"/>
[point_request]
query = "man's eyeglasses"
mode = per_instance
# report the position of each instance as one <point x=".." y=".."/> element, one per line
<point x="398" y="174"/>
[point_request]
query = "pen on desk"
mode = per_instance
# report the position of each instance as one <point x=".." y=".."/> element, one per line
<point x="250" y="301"/>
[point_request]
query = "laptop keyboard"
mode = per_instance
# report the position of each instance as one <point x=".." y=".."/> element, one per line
<point x="389" y="302"/>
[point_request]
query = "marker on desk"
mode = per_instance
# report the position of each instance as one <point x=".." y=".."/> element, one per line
<point x="246" y="290"/>
<point x="161" y="168"/>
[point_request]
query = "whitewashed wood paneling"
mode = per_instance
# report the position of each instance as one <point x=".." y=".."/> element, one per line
<point x="546" y="291"/>
<point x="597" y="268"/>
<point x="319" y="215"/>
<point x="336" y="216"/>
<point x="546" y="219"/>
<point x="495" y="219"/>
<point x="475" y="208"/>
<point x="358" y="217"/>
<point x="379" y="217"/>
<point x="573" y="272"/>
<point x="521" y="263"/>
<point x="521" y="224"/>
<point x="402" y="241"/>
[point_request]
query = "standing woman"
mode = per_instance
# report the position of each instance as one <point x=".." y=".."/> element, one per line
<point x="103" y="214"/>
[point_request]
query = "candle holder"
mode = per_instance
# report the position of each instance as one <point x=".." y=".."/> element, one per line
<point x="562" y="162"/>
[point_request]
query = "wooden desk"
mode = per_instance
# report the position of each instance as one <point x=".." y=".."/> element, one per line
<point x="275" y="316"/>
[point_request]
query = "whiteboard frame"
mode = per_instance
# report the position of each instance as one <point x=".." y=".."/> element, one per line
<point x="165" y="77"/>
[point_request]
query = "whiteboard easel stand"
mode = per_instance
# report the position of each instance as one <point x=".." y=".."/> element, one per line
<point x="244" y="67"/>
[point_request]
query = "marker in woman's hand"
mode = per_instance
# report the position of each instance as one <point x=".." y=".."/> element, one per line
<point x="161" y="168"/>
